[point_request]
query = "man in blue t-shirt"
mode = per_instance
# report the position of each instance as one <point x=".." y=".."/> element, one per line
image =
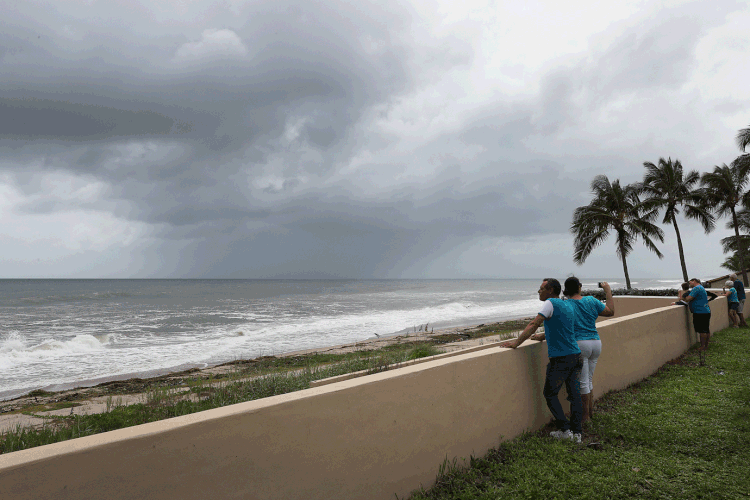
<point x="740" y="287"/>
<point x="698" y="302"/>
<point x="565" y="361"/>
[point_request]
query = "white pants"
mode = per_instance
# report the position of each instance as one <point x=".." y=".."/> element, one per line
<point x="590" y="351"/>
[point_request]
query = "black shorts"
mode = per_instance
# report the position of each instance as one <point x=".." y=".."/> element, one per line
<point x="734" y="306"/>
<point x="701" y="322"/>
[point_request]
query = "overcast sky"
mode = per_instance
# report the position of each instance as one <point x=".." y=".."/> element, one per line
<point x="290" y="139"/>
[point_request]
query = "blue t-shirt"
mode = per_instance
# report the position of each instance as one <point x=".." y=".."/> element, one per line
<point x="558" y="328"/>
<point x="732" y="295"/>
<point x="699" y="304"/>
<point x="740" y="287"/>
<point x="587" y="310"/>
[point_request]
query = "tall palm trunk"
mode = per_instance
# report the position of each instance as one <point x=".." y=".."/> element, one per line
<point x="624" y="266"/>
<point x="740" y="249"/>
<point x="679" y="247"/>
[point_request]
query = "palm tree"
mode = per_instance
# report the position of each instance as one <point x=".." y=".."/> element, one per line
<point x="743" y="138"/>
<point x="667" y="186"/>
<point x="743" y="141"/>
<point x="725" y="190"/>
<point x="731" y="245"/>
<point x="614" y="208"/>
<point x="732" y="263"/>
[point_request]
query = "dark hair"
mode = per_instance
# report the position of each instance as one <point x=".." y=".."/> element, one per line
<point x="695" y="279"/>
<point x="685" y="286"/>
<point x="554" y="285"/>
<point x="572" y="286"/>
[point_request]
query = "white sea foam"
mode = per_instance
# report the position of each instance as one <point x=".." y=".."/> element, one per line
<point x="319" y="331"/>
<point x="13" y="342"/>
<point x="79" y="343"/>
<point x="106" y="338"/>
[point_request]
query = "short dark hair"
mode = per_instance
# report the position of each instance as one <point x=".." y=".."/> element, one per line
<point x="695" y="279"/>
<point x="685" y="286"/>
<point x="572" y="286"/>
<point x="554" y="285"/>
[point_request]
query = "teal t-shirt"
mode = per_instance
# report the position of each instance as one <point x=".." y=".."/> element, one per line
<point x="558" y="328"/>
<point x="732" y="295"/>
<point x="587" y="310"/>
<point x="699" y="304"/>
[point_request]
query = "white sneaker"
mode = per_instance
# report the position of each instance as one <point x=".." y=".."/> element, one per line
<point x="561" y="434"/>
<point x="576" y="438"/>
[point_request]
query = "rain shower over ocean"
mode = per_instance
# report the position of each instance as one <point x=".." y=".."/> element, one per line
<point x="59" y="334"/>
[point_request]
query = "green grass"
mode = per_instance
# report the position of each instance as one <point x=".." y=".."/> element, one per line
<point x="682" y="433"/>
<point x="274" y="376"/>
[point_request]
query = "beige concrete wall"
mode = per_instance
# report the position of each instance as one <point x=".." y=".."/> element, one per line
<point x="365" y="438"/>
<point x="626" y="305"/>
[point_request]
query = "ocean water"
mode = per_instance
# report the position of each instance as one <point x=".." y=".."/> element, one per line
<point x="60" y="334"/>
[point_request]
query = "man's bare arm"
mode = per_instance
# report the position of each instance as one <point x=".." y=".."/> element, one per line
<point x="527" y="332"/>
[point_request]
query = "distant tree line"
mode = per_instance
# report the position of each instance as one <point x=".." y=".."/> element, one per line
<point x="628" y="212"/>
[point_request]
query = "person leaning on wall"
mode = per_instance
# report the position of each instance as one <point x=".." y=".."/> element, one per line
<point x="697" y="301"/>
<point x="740" y="287"/>
<point x="732" y="302"/>
<point x="565" y="361"/>
<point x="684" y="292"/>
<point x="587" y="310"/>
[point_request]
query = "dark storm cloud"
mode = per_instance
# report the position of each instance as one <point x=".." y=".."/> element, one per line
<point x="225" y="135"/>
<point x="329" y="235"/>
<point x="229" y="87"/>
<point x="47" y="119"/>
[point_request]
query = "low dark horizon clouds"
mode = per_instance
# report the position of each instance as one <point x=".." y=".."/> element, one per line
<point x="281" y="139"/>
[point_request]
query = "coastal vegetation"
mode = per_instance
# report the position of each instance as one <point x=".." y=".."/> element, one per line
<point x="684" y="432"/>
<point x="247" y="381"/>
<point x="193" y="391"/>
<point x="619" y="209"/>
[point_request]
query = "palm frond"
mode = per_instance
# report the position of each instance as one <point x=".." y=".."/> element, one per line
<point x="616" y="207"/>
<point x="700" y="214"/>
<point x="731" y="244"/>
<point x="743" y="138"/>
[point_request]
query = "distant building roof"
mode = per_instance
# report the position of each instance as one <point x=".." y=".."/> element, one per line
<point x="722" y="279"/>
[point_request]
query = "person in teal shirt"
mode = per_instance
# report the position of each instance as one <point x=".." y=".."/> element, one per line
<point x="740" y="287"/>
<point x="588" y="309"/>
<point x="733" y="301"/>
<point x="565" y="361"/>
<point x="698" y="302"/>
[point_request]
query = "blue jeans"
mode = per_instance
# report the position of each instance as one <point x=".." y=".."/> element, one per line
<point x="565" y="370"/>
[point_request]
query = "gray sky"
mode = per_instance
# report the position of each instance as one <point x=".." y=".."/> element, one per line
<point x="280" y="139"/>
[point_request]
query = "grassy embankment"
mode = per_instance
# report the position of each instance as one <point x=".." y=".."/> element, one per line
<point x="167" y="396"/>
<point x="682" y="433"/>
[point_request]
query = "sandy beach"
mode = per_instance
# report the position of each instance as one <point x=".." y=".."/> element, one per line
<point x="33" y="409"/>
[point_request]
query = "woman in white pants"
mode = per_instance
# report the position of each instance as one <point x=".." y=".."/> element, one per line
<point x="587" y="310"/>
